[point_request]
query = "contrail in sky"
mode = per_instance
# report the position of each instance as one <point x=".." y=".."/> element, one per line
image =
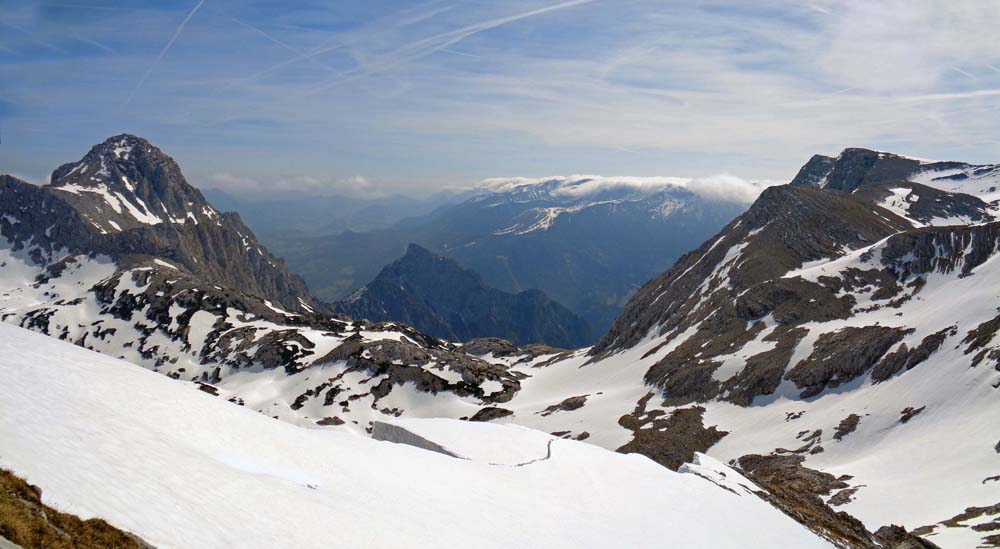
<point x="163" y="52"/>
<point x="436" y="43"/>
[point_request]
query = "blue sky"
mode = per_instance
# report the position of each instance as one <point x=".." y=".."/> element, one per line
<point x="372" y="96"/>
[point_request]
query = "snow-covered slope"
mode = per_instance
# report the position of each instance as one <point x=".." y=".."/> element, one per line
<point x="182" y="469"/>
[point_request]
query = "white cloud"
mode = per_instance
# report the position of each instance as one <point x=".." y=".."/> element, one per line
<point x="893" y="46"/>
<point x="628" y="86"/>
<point x="354" y="186"/>
<point x="721" y="187"/>
<point x="730" y="188"/>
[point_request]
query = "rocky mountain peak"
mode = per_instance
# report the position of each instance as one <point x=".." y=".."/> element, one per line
<point x="416" y="251"/>
<point x="855" y="167"/>
<point x="126" y="182"/>
<point x="438" y="296"/>
<point x="128" y="200"/>
<point x="814" y="172"/>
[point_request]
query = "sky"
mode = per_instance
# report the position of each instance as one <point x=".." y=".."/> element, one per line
<point x="381" y="96"/>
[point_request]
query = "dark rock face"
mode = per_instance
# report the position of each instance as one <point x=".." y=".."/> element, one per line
<point x="908" y="413"/>
<point x="847" y="426"/>
<point x="854" y="168"/>
<point x="490" y="413"/>
<point x="942" y="249"/>
<point x="896" y="537"/>
<point x="670" y="440"/>
<point x="869" y="174"/>
<point x="842" y="356"/>
<point x="129" y="201"/>
<point x="798" y="490"/>
<point x="490" y="346"/>
<point x="398" y="361"/>
<point x="815" y="171"/>
<point x="962" y="519"/>
<point x="437" y="296"/>
<point x="906" y="359"/>
<point x="567" y="405"/>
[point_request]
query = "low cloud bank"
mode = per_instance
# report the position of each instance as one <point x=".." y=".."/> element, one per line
<point x="721" y="187"/>
<point x="353" y="186"/>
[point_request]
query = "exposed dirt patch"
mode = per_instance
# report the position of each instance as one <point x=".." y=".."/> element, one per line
<point x="26" y="521"/>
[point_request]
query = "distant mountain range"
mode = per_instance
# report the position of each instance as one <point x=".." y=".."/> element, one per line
<point x="438" y="297"/>
<point x="586" y="242"/>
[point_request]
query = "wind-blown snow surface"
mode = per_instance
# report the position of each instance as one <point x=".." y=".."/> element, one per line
<point x="180" y="468"/>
